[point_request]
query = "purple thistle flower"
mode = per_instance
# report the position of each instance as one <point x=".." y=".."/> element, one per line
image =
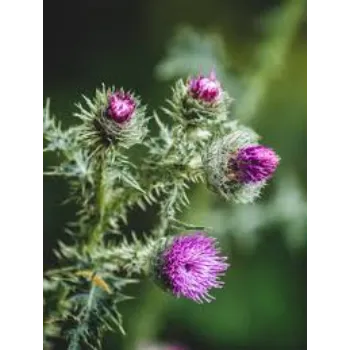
<point x="205" y="89"/>
<point x="121" y="106"/>
<point x="253" y="163"/>
<point x="191" y="265"/>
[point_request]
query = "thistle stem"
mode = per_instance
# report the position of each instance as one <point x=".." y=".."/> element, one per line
<point x="96" y="233"/>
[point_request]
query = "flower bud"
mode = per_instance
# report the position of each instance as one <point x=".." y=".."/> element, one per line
<point x="121" y="106"/>
<point x="205" y="89"/>
<point x="112" y="118"/>
<point x="237" y="167"/>
<point x="199" y="101"/>
<point x="253" y="163"/>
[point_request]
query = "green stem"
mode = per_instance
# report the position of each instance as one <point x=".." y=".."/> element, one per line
<point x="96" y="233"/>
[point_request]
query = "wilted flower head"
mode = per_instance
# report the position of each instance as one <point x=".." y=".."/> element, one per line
<point x="121" y="106"/>
<point x="189" y="266"/>
<point x="207" y="89"/>
<point x="253" y="163"/>
<point x="237" y="167"/>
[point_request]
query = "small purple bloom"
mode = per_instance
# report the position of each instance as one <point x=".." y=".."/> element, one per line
<point x="205" y="89"/>
<point x="121" y="106"/>
<point x="191" y="265"/>
<point x="254" y="163"/>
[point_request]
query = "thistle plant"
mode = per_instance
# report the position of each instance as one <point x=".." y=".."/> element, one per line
<point x="198" y="143"/>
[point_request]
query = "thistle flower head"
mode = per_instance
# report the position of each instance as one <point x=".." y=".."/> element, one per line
<point x="199" y="101"/>
<point x="121" y="106"/>
<point x="112" y="118"/>
<point x="253" y="163"/>
<point x="190" y="265"/>
<point x="206" y="89"/>
<point x="237" y="167"/>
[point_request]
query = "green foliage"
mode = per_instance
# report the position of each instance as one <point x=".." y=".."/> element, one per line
<point x="86" y="305"/>
<point x="94" y="313"/>
<point x="106" y="184"/>
<point x="82" y="296"/>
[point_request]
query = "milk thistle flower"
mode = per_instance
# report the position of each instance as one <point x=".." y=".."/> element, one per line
<point x="199" y="101"/>
<point x="121" y="106"/>
<point x="206" y="89"/>
<point x="253" y="163"/>
<point x="189" y="266"/>
<point x="237" y="167"/>
<point x="112" y="118"/>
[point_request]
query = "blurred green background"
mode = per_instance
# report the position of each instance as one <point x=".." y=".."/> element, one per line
<point x="258" y="48"/>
